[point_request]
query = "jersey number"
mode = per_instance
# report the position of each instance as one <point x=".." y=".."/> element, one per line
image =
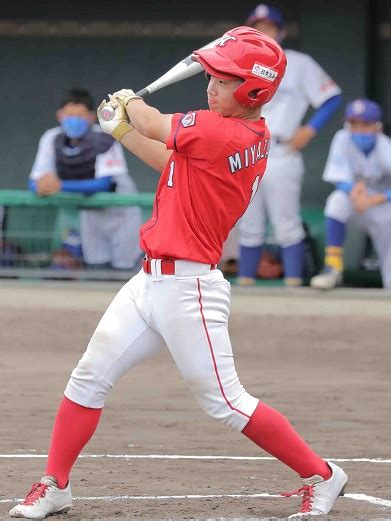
<point x="170" y="181"/>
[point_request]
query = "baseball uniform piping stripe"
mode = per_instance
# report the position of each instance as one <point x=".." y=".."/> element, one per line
<point x="176" y="134"/>
<point x="213" y="356"/>
<point x="155" y="212"/>
<point x="252" y="130"/>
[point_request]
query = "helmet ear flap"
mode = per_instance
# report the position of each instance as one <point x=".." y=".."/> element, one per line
<point x="253" y="98"/>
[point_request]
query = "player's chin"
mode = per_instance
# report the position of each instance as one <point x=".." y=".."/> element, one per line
<point x="213" y="106"/>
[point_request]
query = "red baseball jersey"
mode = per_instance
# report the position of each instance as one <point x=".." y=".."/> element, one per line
<point x="206" y="186"/>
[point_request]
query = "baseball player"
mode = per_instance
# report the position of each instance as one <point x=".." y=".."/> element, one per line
<point x="78" y="157"/>
<point x="305" y="83"/>
<point x="359" y="165"/>
<point x="211" y="163"/>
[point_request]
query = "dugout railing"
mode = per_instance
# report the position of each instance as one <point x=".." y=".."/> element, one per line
<point x="33" y="227"/>
<point x="33" y="230"/>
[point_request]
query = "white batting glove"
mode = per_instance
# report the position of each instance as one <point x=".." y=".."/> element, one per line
<point x="119" y="125"/>
<point x="124" y="96"/>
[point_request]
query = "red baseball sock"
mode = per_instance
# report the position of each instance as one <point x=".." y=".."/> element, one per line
<point x="73" y="427"/>
<point x="271" y="431"/>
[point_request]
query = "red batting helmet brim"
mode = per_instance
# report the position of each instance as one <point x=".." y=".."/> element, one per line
<point x="214" y="64"/>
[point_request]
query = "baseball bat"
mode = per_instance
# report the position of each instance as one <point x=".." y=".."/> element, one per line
<point x="184" y="69"/>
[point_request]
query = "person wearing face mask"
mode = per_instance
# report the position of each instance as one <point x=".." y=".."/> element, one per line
<point x="77" y="156"/>
<point x="359" y="165"/>
<point x="305" y="84"/>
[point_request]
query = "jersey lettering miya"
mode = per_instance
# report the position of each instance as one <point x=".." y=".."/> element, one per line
<point x="206" y="186"/>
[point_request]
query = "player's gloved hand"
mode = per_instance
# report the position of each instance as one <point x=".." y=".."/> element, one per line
<point x="124" y="96"/>
<point x="119" y="125"/>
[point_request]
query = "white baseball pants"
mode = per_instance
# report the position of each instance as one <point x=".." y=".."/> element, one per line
<point x="187" y="312"/>
<point x="277" y="200"/>
<point x="111" y="235"/>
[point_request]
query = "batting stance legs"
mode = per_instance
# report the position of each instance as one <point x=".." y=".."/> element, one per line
<point x="138" y="323"/>
<point x="188" y="312"/>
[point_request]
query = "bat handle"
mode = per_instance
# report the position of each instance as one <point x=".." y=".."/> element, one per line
<point x="143" y="92"/>
<point x="108" y="112"/>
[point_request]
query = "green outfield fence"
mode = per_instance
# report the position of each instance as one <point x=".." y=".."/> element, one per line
<point x="33" y="228"/>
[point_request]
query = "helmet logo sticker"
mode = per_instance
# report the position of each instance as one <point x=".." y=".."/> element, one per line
<point x="224" y="39"/>
<point x="264" y="72"/>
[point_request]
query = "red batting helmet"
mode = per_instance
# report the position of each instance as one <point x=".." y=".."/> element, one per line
<point x="250" y="55"/>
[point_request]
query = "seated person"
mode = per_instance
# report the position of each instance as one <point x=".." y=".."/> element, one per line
<point x="359" y="164"/>
<point x="78" y="157"/>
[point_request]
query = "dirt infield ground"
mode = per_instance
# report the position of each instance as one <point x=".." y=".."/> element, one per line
<point x="322" y="359"/>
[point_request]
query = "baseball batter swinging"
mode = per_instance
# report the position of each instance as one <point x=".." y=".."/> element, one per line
<point x="211" y="163"/>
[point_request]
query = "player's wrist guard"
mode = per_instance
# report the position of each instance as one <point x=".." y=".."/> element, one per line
<point x="121" y="129"/>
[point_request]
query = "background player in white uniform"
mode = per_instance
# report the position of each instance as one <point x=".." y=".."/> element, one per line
<point x="78" y="157"/>
<point x="305" y="83"/>
<point x="359" y="164"/>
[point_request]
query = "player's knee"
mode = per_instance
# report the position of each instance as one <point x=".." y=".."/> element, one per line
<point x="338" y="206"/>
<point x="221" y="413"/>
<point x="251" y="239"/>
<point x="289" y="233"/>
<point x="233" y="413"/>
<point x="86" y="385"/>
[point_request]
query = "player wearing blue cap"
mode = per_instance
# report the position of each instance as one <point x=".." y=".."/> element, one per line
<point x="278" y="200"/>
<point x="359" y="164"/>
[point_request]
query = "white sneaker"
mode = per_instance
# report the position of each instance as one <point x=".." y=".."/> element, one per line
<point x="44" y="499"/>
<point x="319" y="495"/>
<point x="327" y="279"/>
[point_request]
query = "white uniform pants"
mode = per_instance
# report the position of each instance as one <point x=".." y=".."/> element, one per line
<point x="111" y="235"/>
<point x="376" y="222"/>
<point x="278" y="199"/>
<point x="187" y="312"/>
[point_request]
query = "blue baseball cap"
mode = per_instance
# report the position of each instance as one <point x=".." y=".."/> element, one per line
<point x="363" y="109"/>
<point x="266" y="12"/>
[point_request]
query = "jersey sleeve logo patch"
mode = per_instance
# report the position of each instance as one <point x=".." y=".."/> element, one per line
<point x="264" y="72"/>
<point x="189" y="119"/>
